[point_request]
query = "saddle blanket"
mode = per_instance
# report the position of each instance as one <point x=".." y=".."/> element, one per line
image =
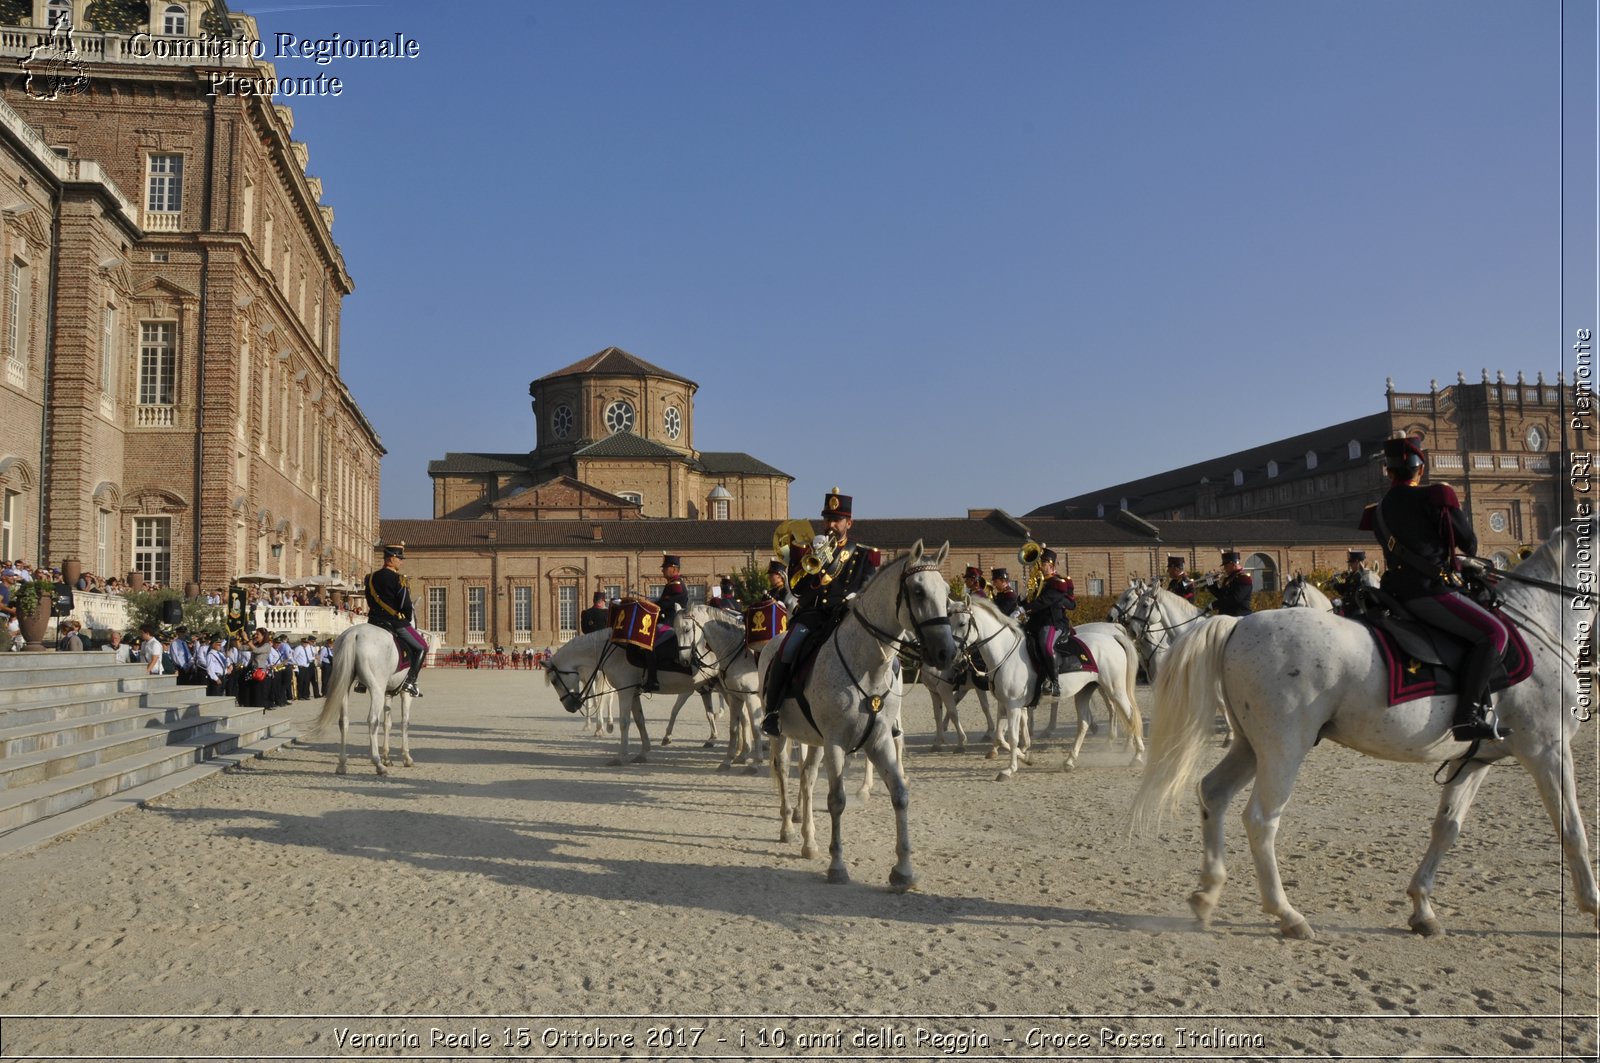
<point x="1410" y="678"/>
<point x="1073" y="656"/>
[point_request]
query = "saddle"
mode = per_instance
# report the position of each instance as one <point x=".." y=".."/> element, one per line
<point x="1073" y="656"/>
<point x="1424" y="662"/>
<point x="665" y="654"/>
<point x="403" y="650"/>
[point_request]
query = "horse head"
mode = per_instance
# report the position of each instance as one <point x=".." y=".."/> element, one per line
<point x="566" y="680"/>
<point x="925" y="593"/>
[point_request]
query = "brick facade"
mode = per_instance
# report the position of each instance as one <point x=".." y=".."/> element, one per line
<point x="251" y="443"/>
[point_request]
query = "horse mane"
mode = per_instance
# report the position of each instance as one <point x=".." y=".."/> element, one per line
<point x="993" y="610"/>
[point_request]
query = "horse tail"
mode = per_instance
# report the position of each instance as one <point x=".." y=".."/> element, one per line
<point x="1130" y="656"/>
<point x="1183" y="722"/>
<point x="340" y="680"/>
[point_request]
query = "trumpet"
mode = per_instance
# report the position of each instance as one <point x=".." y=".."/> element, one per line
<point x="1029" y="555"/>
<point x="821" y="557"/>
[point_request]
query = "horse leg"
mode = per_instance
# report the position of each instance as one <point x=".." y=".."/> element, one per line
<point x="374" y="715"/>
<point x="1454" y="801"/>
<point x="955" y="721"/>
<point x="1559" y="788"/>
<point x="672" y="718"/>
<point x="344" y="735"/>
<point x="405" y="730"/>
<point x="941" y="713"/>
<point x="780" y="771"/>
<point x="711" y="719"/>
<point x="629" y="711"/>
<point x="1013" y="727"/>
<point x="887" y="758"/>
<point x="988" y="715"/>
<point x="1236" y="768"/>
<point x="388" y="761"/>
<point x="1079" y="702"/>
<point x="644" y="736"/>
<point x="810" y="760"/>
<point x="838" y="871"/>
<point x="1261" y="816"/>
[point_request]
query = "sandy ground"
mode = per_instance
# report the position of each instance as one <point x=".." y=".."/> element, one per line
<point x="512" y="894"/>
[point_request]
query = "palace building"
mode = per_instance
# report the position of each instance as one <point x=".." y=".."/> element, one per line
<point x="170" y="392"/>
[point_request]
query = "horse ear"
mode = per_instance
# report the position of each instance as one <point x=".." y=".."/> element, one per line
<point x="944" y="551"/>
<point x="916" y="552"/>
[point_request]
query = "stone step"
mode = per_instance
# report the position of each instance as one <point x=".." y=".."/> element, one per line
<point x="26" y="804"/>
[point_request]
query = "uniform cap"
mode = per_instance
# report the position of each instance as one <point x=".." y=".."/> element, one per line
<point x="394" y="550"/>
<point x="1230" y="557"/>
<point x="776" y="568"/>
<point x="1174" y="561"/>
<point x="999" y="573"/>
<point x="1047" y="554"/>
<point x="1356" y="555"/>
<point x="727" y="585"/>
<point x="1402" y="454"/>
<point x="974" y="572"/>
<point x="671" y="559"/>
<point x="836" y="505"/>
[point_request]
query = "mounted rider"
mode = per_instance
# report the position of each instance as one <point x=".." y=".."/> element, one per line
<point x="1347" y="584"/>
<point x="1046" y="621"/>
<point x="674" y="597"/>
<point x="973" y="580"/>
<point x="1233" y="588"/>
<point x="1421" y="530"/>
<point x="1005" y="598"/>
<point x="1178" y="581"/>
<point x="389" y="606"/>
<point x="777" y="583"/>
<point x="821" y="597"/>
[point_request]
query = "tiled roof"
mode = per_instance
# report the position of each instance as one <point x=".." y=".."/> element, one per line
<point x="717" y="462"/>
<point x="1178" y="486"/>
<point x="626" y="445"/>
<point x="458" y="463"/>
<point x="616" y="361"/>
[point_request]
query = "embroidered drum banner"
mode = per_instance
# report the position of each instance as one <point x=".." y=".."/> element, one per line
<point x="763" y="621"/>
<point x="633" y="623"/>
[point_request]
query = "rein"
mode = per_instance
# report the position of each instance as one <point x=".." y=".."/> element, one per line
<point x="889" y="638"/>
<point x="582" y="694"/>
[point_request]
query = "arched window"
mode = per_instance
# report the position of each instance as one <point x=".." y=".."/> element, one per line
<point x="175" y="21"/>
<point x="1272" y="470"/>
<point x="1262" y="571"/>
<point x="1353" y="449"/>
<point x="1238" y="477"/>
<point x="58" y="10"/>
<point x="1311" y="459"/>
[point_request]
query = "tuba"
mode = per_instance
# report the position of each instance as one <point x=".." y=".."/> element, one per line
<point x="1029" y="556"/>
<point x="786" y="535"/>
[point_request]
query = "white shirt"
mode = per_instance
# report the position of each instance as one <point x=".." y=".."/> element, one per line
<point x="150" y="653"/>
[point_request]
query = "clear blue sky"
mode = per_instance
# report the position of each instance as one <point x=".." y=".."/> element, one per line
<point x="950" y="254"/>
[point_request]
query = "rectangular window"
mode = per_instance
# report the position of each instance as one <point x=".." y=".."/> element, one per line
<point x="152" y="549"/>
<point x="166" y="184"/>
<point x="522" y="614"/>
<point x="108" y="350"/>
<point x="1097" y="585"/>
<point x="102" y="541"/>
<point x="436" y="609"/>
<point x="16" y="309"/>
<point x="719" y="509"/>
<point x="613" y="592"/>
<point x="157" y="364"/>
<point x="567" y="610"/>
<point x="477" y="614"/>
<point x="697" y="593"/>
<point x="654" y="590"/>
<point x="632" y="496"/>
<point x="8" y="526"/>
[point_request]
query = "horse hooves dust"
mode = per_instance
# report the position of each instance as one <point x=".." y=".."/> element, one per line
<point x="838" y="876"/>
<point x="666" y="740"/>
<point x="1427" y="928"/>
<point x="1300" y="931"/>
<point x="1202" y="909"/>
<point x="899" y="883"/>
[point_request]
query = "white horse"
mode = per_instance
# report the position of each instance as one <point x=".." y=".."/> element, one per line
<point x="946" y="695"/>
<point x="1157" y="619"/>
<point x="717" y="639"/>
<point x="854" y="695"/>
<point x="1301" y="593"/>
<point x="982" y="629"/>
<point x="366" y="653"/>
<point x="1294" y="676"/>
<point x="706" y="692"/>
<point x="583" y="668"/>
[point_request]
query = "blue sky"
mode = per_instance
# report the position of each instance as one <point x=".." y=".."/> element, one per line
<point x="950" y="254"/>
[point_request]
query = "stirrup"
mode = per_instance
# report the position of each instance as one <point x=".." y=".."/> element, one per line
<point x="410" y="687"/>
<point x="770" y="726"/>
<point x="1481" y="730"/>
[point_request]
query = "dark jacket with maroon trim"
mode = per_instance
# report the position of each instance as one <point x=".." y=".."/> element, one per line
<point x="1183" y="587"/>
<point x="673" y="598"/>
<point x="1050" y="606"/>
<point x="1233" y="594"/>
<point x="820" y="599"/>
<point x="1006" y="602"/>
<point x="388" y="599"/>
<point x="1427" y="527"/>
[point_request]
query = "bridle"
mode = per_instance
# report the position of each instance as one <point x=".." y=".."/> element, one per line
<point x="889" y="638"/>
<point x="1149" y="631"/>
<point x="970" y="650"/>
<point x="710" y="660"/>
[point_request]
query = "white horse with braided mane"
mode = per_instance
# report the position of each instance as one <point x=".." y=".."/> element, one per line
<point x="981" y="629"/>
<point x="1301" y="593"/>
<point x="854" y="693"/>
<point x="1293" y="677"/>
<point x="366" y="654"/>
<point x="592" y="666"/>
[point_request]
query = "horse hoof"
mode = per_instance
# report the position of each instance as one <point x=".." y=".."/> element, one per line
<point x="1202" y="907"/>
<point x="666" y="740"/>
<point x="640" y="759"/>
<point x="1070" y="765"/>
<point x="838" y="876"/>
<point x="1299" y="931"/>
<point x="1427" y="928"/>
<point x="710" y="743"/>
<point x="1003" y="776"/>
<point x="753" y="769"/>
<point x="989" y="755"/>
<point x="724" y="766"/>
<point x="899" y="883"/>
<point x="408" y="762"/>
<point x="807" y="852"/>
<point x="614" y="762"/>
<point x="341" y="770"/>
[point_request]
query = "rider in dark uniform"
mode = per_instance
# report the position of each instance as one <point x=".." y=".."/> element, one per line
<point x="1178" y="581"/>
<point x="777" y="582"/>
<point x="673" y="597"/>
<point x="973" y="579"/>
<point x="1347" y="583"/>
<point x="820" y="599"/>
<point x="1005" y="599"/>
<point x="595" y="617"/>
<point x="389" y="607"/>
<point x="1421" y="529"/>
<point x="1047" y="621"/>
<point x="1234" y="587"/>
<point x="730" y="597"/>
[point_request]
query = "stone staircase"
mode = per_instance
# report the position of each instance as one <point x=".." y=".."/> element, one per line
<point x="82" y="737"/>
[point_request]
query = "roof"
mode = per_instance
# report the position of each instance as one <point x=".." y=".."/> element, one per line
<point x="718" y="462"/>
<point x="627" y="445"/>
<point x="615" y="361"/>
<point x="1329" y="443"/>
<point x="992" y="532"/>
<point x="462" y="462"/>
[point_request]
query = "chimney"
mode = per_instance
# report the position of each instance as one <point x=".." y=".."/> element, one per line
<point x="597" y="532"/>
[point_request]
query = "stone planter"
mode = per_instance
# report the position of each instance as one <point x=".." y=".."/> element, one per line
<point x="36" y="625"/>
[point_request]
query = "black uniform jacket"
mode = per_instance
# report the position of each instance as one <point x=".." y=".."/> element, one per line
<point x="593" y="619"/>
<point x="1233" y="594"/>
<point x="820" y="598"/>
<point x="388" y="599"/>
<point x="674" y="596"/>
<point x="1427" y="527"/>
<point x="1006" y="602"/>
<point x="1183" y="587"/>
<point x="1051" y="605"/>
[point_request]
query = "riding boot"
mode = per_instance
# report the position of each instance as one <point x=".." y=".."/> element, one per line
<point x="410" y="685"/>
<point x="650" y="685"/>
<point x="777" y="687"/>
<point x="1472" y="721"/>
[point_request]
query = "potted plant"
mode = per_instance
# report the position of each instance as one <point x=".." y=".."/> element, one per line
<point x="32" y="600"/>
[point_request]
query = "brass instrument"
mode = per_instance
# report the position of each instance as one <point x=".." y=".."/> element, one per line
<point x="1029" y="555"/>
<point x="785" y="535"/>
<point x="821" y="558"/>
